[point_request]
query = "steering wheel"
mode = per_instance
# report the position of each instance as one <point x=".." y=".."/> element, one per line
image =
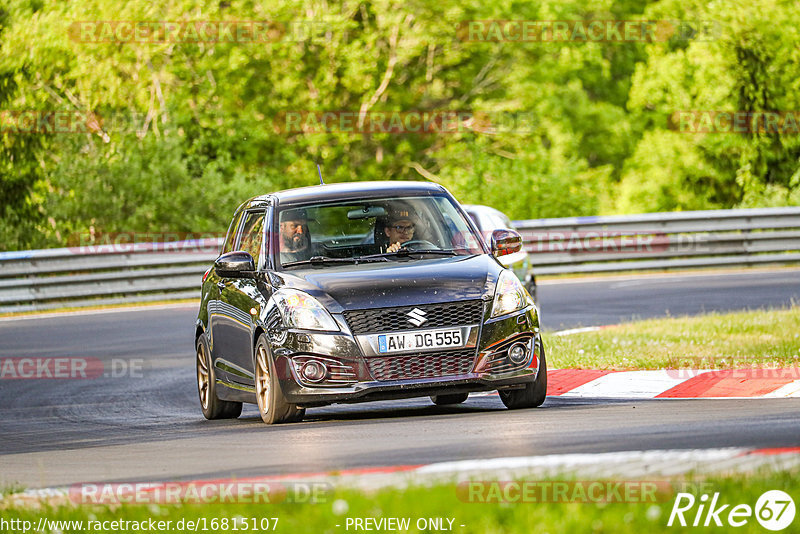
<point x="419" y="244"/>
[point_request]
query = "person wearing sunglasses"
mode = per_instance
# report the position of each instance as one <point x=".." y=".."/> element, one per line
<point x="399" y="228"/>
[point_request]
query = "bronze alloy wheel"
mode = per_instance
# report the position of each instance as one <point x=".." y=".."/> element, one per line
<point x="202" y="375"/>
<point x="271" y="403"/>
<point x="263" y="382"/>
<point x="213" y="407"/>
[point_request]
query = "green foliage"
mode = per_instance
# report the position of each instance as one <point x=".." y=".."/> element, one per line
<point x="156" y="188"/>
<point x="667" y="172"/>
<point x="750" y="63"/>
<point x="210" y="117"/>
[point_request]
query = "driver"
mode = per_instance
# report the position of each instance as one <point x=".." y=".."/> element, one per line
<point x="400" y="227"/>
<point x="295" y="242"/>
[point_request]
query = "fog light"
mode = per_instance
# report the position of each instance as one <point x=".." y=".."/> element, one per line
<point x="517" y="353"/>
<point x="314" y="371"/>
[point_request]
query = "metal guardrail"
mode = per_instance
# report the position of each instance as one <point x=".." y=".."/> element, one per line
<point x="104" y="274"/>
<point x="109" y="274"/>
<point x="663" y="240"/>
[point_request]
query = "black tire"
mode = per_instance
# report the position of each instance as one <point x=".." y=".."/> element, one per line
<point x="272" y="405"/>
<point x="534" y="393"/>
<point x="444" y="400"/>
<point x="530" y="285"/>
<point x="212" y="406"/>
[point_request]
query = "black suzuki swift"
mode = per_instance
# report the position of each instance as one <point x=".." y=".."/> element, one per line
<point x="358" y="292"/>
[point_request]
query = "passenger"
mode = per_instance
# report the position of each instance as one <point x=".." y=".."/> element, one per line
<point x="295" y="241"/>
<point x="400" y="227"/>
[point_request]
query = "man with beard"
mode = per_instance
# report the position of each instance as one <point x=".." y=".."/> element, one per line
<point x="295" y="241"/>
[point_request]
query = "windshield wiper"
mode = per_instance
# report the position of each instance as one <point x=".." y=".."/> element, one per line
<point x="316" y="261"/>
<point x="405" y="253"/>
<point x="435" y="252"/>
<point x="319" y="260"/>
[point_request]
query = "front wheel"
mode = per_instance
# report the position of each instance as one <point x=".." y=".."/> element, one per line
<point x="212" y="406"/>
<point x="530" y="285"/>
<point x="272" y="405"/>
<point x="534" y="393"/>
<point x="444" y="400"/>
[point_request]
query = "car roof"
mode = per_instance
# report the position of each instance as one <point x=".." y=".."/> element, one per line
<point x="322" y="193"/>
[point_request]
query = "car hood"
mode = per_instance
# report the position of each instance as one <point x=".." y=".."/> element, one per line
<point x="396" y="283"/>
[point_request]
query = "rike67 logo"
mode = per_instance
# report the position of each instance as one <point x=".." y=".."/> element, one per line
<point x="774" y="510"/>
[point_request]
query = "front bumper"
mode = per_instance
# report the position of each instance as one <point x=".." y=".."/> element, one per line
<point x="493" y="337"/>
<point x="402" y="389"/>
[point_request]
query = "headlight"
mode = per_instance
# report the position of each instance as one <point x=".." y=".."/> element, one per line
<point x="509" y="296"/>
<point x="301" y="310"/>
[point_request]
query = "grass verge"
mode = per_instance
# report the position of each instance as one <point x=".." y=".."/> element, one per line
<point x="762" y="338"/>
<point x="448" y="504"/>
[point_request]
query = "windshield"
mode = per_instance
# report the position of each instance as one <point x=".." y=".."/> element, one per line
<point x="356" y="231"/>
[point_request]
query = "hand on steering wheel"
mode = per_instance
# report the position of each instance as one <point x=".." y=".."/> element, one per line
<point x="413" y="244"/>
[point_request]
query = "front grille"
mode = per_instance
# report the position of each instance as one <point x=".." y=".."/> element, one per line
<point x="396" y="319"/>
<point x="426" y="365"/>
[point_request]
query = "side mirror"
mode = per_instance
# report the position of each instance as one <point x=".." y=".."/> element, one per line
<point x="234" y="264"/>
<point x="505" y="242"/>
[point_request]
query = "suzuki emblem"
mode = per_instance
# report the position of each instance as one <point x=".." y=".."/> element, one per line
<point x="416" y="317"/>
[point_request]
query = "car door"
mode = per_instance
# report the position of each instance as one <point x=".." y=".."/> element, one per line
<point x="216" y="312"/>
<point x="238" y="307"/>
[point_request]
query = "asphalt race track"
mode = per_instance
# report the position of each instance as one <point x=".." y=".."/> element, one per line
<point x="146" y="424"/>
<point x="599" y="301"/>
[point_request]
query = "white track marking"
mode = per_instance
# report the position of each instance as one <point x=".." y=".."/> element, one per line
<point x="582" y="462"/>
<point x="576" y="331"/>
<point x="791" y="389"/>
<point x="632" y="384"/>
<point x="629" y="465"/>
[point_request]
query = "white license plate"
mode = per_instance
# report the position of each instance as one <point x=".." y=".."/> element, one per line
<point x="421" y="339"/>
